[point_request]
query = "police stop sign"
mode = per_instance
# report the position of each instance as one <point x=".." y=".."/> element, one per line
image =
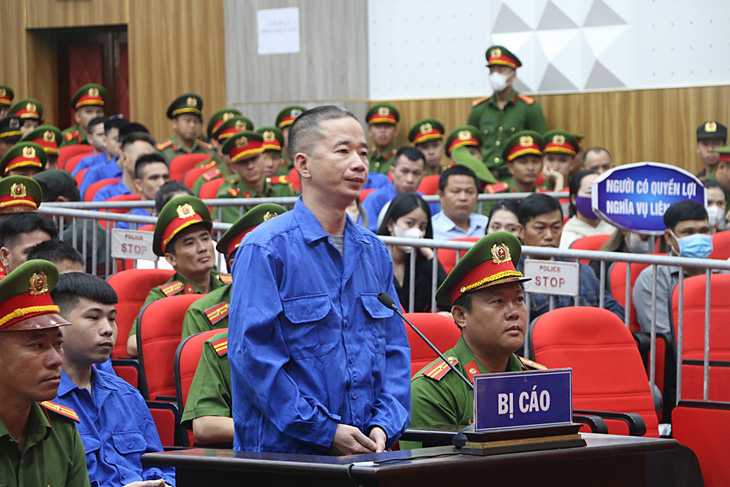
<point x="552" y="277"/>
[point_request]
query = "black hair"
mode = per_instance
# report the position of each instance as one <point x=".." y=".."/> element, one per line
<point x="96" y="121"/>
<point x="305" y="130"/>
<point x="164" y="194"/>
<point x="683" y="211"/>
<point x="133" y="137"/>
<point x="535" y="205"/>
<point x="114" y="123"/>
<point x="56" y="251"/>
<point x="412" y="153"/>
<point x="457" y="170"/>
<point x="401" y="205"/>
<point x="13" y="226"/>
<point x="508" y="205"/>
<point x="574" y="186"/>
<point x="145" y="159"/>
<point x="74" y="285"/>
<point x="713" y="183"/>
<point x="595" y="150"/>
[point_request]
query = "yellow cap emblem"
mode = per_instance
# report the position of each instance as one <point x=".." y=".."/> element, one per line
<point x="464" y="135"/>
<point x="500" y="254"/>
<point x="31" y="107"/>
<point x="192" y="101"/>
<point x="38" y="284"/>
<point x="383" y="111"/>
<point x="526" y="141"/>
<point x="269" y="215"/>
<point x="426" y="128"/>
<point x="93" y="92"/>
<point x="240" y="125"/>
<point x="269" y="136"/>
<point x="227" y="116"/>
<point x="496" y="52"/>
<point x="18" y="190"/>
<point x="711" y="127"/>
<point x="29" y="152"/>
<point x="49" y="136"/>
<point x="185" y="211"/>
<point x="558" y="139"/>
<point x="241" y="142"/>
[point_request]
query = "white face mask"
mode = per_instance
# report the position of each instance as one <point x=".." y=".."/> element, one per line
<point x="499" y="81"/>
<point x="716" y="217"/>
<point x="412" y="232"/>
<point x="637" y="246"/>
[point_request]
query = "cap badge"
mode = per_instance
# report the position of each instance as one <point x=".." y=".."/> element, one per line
<point x="383" y="111"/>
<point x="29" y="152"/>
<point x="14" y="123"/>
<point x="227" y="116"/>
<point x="497" y="52"/>
<point x="711" y="127"/>
<point x="192" y="101"/>
<point x="295" y="112"/>
<point x="500" y="254"/>
<point x="269" y="215"/>
<point x="240" y="125"/>
<point x="93" y="92"/>
<point x="464" y="135"/>
<point x="269" y="136"/>
<point x="31" y="107"/>
<point x="49" y="136"/>
<point x="38" y="284"/>
<point x="426" y="128"/>
<point x="241" y="142"/>
<point x="17" y="190"/>
<point x="558" y="139"/>
<point x="185" y="211"/>
<point x="526" y="141"/>
<point x="3" y="92"/>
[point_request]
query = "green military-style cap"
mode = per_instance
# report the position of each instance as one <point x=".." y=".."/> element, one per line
<point x="522" y="143"/>
<point x="187" y="103"/>
<point x="218" y="117"/>
<point x="383" y="113"/>
<point x="91" y="94"/>
<point x="25" y="298"/>
<point x="273" y="138"/>
<point x="235" y="124"/>
<point x="490" y="262"/>
<point x="231" y="240"/>
<point x="462" y="157"/>
<point x="712" y="130"/>
<point x="561" y="142"/>
<point x="287" y="116"/>
<point x="19" y="194"/>
<point x="10" y="127"/>
<point x="47" y="136"/>
<point x="426" y="129"/>
<point x="178" y="214"/>
<point x="27" y="109"/>
<point x="6" y="95"/>
<point x="463" y="136"/>
<point x="55" y="183"/>
<point x="21" y="155"/>
<point x="243" y="145"/>
<point x="501" y="56"/>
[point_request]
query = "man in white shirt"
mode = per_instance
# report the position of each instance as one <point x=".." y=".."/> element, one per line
<point x="458" y="191"/>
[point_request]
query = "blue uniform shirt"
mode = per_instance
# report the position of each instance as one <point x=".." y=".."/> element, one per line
<point x="91" y="161"/>
<point x="116" y="428"/>
<point x="97" y="173"/>
<point x="111" y="191"/>
<point x="310" y="345"/>
<point x="376" y="200"/>
<point x="376" y="180"/>
<point x="445" y="229"/>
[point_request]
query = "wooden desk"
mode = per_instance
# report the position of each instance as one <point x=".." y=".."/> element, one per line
<point x="605" y="461"/>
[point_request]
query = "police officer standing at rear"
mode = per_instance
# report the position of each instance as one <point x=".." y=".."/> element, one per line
<point x="499" y="116"/>
<point x="186" y="114"/>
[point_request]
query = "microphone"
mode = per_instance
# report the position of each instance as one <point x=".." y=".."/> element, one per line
<point x="388" y="302"/>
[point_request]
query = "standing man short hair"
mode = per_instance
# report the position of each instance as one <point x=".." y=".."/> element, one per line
<point x="597" y="159"/>
<point x="318" y="364"/>
<point x="87" y="103"/>
<point x="19" y="233"/>
<point x="710" y="136"/>
<point x="458" y="191"/>
<point x="186" y="116"/>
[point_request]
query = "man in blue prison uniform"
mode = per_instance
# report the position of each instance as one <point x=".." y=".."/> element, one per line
<point x="318" y="364"/>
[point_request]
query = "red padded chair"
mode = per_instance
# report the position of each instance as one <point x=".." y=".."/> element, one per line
<point x="179" y="165"/>
<point x="187" y="357"/>
<point x="693" y="336"/>
<point x="608" y="374"/>
<point x="705" y="427"/>
<point x="365" y="193"/>
<point x="66" y="152"/>
<point x="167" y="421"/>
<point x="447" y="257"/>
<point x="192" y="174"/>
<point x="721" y="246"/>
<point x="209" y="190"/>
<point x="95" y="187"/>
<point x="127" y="369"/>
<point x="591" y="242"/>
<point x="79" y="178"/>
<point x="439" y="329"/>
<point x="132" y="287"/>
<point x="429" y="184"/>
<point x="158" y="334"/>
<point x="617" y="281"/>
<point x="121" y="197"/>
<point x="72" y="161"/>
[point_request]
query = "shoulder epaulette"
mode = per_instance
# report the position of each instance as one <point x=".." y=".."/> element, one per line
<point x="60" y="409"/>
<point x="531" y="365"/>
<point x="390" y="154"/>
<point x="204" y="144"/>
<point x="164" y="144"/>
<point x="234" y="191"/>
<point x="526" y="99"/>
<point x="496" y="188"/>
<point x="70" y="135"/>
<point x="439" y="369"/>
<point x="225" y="278"/>
<point x="220" y="346"/>
<point x="212" y="174"/>
<point x="217" y="312"/>
<point x="471" y="369"/>
<point x="171" y="288"/>
<point x="480" y="100"/>
<point x="279" y="180"/>
<point x="233" y="180"/>
<point x="208" y="164"/>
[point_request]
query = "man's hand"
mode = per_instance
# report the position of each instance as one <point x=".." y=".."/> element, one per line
<point x="377" y="434"/>
<point x="350" y="441"/>
<point x="147" y="483"/>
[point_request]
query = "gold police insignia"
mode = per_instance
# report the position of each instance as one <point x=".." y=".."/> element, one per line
<point x="464" y="135"/>
<point x="18" y="190"/>
<point x="558" y="139"/>
<point x="241" y="142"/>
<point x="31" y="107"/>
<point x="497" y="52"/>
<point x="3" y="92"/>
<point x="240" y="125"/>
<point x="500" y="254"/>
<point x="295" y="112"/>
<point x="227" y="116"/>
<point x="710" y="127"/>
<point x="526" y="140"/>
<point x="38" y="284"/>
<point x="269" y="215"/>
<point x="426" y="128"/>
<point x="383" y="111"/>
<point x="14" y="123"/>
<point x="269" y="136"/>
<point x="192" y="101"/>
<point x="185" y="211"/>
<point x="29" y="152"/>
<point x="93" y="92"/>
<point x="49" y="136"/>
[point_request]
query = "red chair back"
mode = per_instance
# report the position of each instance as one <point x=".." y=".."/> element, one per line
<point x="167" y="421"/>
<point x="95" y="187"/>
<point x="591" y="242"/>
<point x="65" y="152"/>
<point x="80" y="176"/>
<point x="127" y="369"/>
<point x="365" y="193"/>
<point x="439" y="329"/>
<point x="617" y="280"/>
<point x="447" y="257"/>
<point x="121" y="197"/>
<point x="72" y="161"/>
<point x="429" y="184"/>
<point x="194" y="173"/>
<point x="209" y="190"/>
<point x="721" y="246"/>
<point x="159" y="333"/>
<point x="179" y="165"/>
<point x="608" y="374"/>
<point x="132" y="287"/>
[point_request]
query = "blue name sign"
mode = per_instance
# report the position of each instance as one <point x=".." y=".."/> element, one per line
<point x="518" y="400"/>
<point x="635" y="196"/>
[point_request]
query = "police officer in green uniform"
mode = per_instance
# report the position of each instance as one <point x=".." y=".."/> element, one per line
<point x="186" y="114"/>
<point x="463" y="146"/>
<point x="487" y="302"/>
<point x="182" y="236"/>
<point x="6" y="99"/>
<point x="273" y="144"/>
<point x="30" y="112"/>
<point x="246" y="152"/>
<point x="23" y="159"/>
<point x="505" y="112"/>
<point x="711" y="135"/>
<point x="284" y="120"/>
<point x="382" y="121"/>
<point x="88" y="104"/>
<point x="428" y="135"/>
<point x="559" y="153"/>
<point x="39" y="444"/>
<point x="48" y="137"/>
<point x="211" y="311"/>
<point x="9" y="133"/>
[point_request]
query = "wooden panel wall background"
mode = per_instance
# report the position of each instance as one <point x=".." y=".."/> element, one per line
<point x="634" y="125"/>
<point x="78" y="13"/>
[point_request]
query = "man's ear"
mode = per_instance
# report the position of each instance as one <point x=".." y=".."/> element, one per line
<point x="671" y="242"/>
<point x="302" y="164"/>
<point x="5" y="256"/>
<point x="171" y="259"/>
<point x="137" y="185"/>
<point x="459" y="314"/>
<point x="77" y="117"/>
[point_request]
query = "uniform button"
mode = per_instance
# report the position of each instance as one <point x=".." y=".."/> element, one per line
<point x="352" y="360"/>
<point x="496" y="159"/>
<point x="129" y="445"/>
<point x="500" y="128"/>
<point x="512" y="129"/>
<point x="497" y="143"/>
<point x="353" y="395"/>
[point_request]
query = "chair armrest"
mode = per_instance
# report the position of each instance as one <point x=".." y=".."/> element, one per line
<point x="635" y="422"/>
<point x="595" y="423"/>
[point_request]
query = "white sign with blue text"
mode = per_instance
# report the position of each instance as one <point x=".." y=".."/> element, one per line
<point x="518" y="400"/>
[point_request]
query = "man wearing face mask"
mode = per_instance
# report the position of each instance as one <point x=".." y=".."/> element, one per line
<point x="499" y="116"/>
<point x="688" y="234"/>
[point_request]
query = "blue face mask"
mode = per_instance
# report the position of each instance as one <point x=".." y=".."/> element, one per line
<point x="697" y="246"/>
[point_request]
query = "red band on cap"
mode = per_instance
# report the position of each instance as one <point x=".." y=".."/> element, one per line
<point x="471" y="141"/>
<point x="482" y="274"/>
<point x="253" y="148"/>
<point x="176" y="225"/>
<point x="236" y="241"/>
<point x="504" y="61"/>
<point x="433" y="134"/>
<point x="521" y="150"/>
<point x="22" y="161"/>
<point x="24" y="306"/>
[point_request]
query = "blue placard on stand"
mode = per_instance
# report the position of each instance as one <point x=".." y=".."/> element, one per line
<point x="634" y="197"/>
<point x="515" y="400"/>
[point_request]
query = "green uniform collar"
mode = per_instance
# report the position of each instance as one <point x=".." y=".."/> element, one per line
<point x="465" y="355"/>
<point x="512" y="99"/>
<point x="37" y="429"/>
<point x="215" y="283"/>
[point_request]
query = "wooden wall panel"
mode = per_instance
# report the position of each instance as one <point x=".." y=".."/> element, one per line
<point x="77" y="13"/>
<point x="13" y="68"/>
<point x="175" y="47"/>
<point x="634" y="125"/>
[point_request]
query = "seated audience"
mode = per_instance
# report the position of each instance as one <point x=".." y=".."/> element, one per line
<point x="168" y="191"/>
<point x="716" y="203"/>
<point x="503" y="218"/>
<point x="622" y="241"/>
<point x="112" y="147"/>
<point x="583" y="221"/>
<point x="357" y="213"/>
<point x="60" y="253"/>
<point x="20" y="232"/>
<point x="597" y="159"/>
<point x="134" y="146"/>
<point x="427" y="135"/>
<point x="558" y="158"/>
<point x="458" y="192"/>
